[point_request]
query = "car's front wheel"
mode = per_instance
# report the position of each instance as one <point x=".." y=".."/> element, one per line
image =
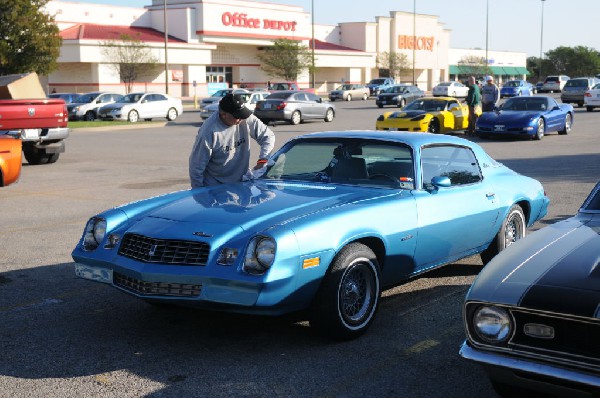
<point x="329" y="115"/>
<point x="349" y="97"/>
<point x="514" y="227"/>
<point x="348" y="297"/>
<point x="567" y="126"/>
<point x="401" y="103"/>
<point x="365" y="97"/>
<point x="589" y="108"/>
<point x="172" y="114"/>
<point x="133" y="116"/>
<point x="539" y="132"/>
<point x="434" y="126"/>
<point x="89" y="116"/>
<point x="296" y="118"/>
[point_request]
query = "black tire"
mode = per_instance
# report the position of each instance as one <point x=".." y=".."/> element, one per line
<point x="172" y="114"/>
<point x="514" y="227"/>
<point x="380" y="105"/>
<point x="401" y="103"/>
<point x="35" y="156"/>
<point x="133" y="116"/>
<point x="589" y="108"/>
<point x="329" y="115"/>
<point x="434" y="126"/>
<point x="348" y="297"/>
<point x="365" y="97"/>
<point x="89" y="116"/>
<point x="349" y="97"/>
<point x="567" y="126"/>
<point x="539" y="133"/>
<point x="296" y="118"/>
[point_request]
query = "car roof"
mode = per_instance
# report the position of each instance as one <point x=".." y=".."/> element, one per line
<point x="412" y="139"/>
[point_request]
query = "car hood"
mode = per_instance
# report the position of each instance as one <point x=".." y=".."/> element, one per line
<point x="508" y="116"/>
<point x="405" y="114"/>
<point x="555" y="269"/>
<point x="249" y="206"/>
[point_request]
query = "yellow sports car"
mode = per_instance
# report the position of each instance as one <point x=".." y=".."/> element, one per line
<point x="427" y="114"/>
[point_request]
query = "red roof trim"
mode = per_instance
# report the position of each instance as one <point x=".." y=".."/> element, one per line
<point x="114" y="32"/>
<point x="323" y="45"/>
<point x="246" y="35"/>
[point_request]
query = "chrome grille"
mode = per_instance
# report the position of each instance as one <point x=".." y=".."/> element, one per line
<point x="164" y="251"/>
<point x="156" y="288"/>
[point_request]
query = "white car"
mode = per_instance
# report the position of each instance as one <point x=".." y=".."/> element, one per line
<point x="251" y="98"/>
<point x="86" y="106"/>
<point x="450" y="89"/>
<point x="147" y="106"/>
<point x="591" y="98"/>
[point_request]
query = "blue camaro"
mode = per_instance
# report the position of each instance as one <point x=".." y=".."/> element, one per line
<point x="530" y="117"/>
<point x="515" y="88"/>
<point x="335" y="218"/>
<point x="532" y="316"/>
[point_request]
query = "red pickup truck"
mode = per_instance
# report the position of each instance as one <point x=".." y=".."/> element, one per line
<point x="42" y="124"/>
<point x="28" y="117"/>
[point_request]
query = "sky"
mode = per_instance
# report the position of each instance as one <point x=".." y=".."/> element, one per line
<point x="512" y="25"/>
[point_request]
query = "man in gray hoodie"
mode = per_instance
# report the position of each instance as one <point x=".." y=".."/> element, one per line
<point x="490" y="95"/>
<point x="221" y="152"/>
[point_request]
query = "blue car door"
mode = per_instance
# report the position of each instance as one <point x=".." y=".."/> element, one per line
<point x="456" y="219"/>
<point x="555" y="117"/>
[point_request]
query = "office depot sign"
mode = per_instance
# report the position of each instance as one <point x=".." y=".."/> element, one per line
<point x="406" y="42"/>
<point x="241" y="20"/>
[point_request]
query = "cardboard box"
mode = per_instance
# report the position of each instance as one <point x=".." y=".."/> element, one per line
<point x="21" y="86"/>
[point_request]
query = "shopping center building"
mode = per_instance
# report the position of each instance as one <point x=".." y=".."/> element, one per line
<point x="217" y="41"/>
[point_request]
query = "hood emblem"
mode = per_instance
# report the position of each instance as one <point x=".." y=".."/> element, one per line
<point x="202" y="234"/>
<point x="31" y="111"/>
<point x="152" y="250"/>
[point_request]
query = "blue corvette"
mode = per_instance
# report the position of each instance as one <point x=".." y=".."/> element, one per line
<point x="515" y="88"/>
<point x="335" y="218"/>
<point x="530" y="117"/>
<point x="532" y="316"/>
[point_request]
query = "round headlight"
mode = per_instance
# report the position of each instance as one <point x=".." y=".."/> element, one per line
<point x="95" y="230"/>
<point x="265" y="252"/>
<point x="492" y="324"/>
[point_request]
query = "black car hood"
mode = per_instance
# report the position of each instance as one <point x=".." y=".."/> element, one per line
<point x="556" y="269"/>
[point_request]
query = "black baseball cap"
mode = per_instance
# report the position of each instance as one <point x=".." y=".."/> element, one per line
<point x="234" y="104"/>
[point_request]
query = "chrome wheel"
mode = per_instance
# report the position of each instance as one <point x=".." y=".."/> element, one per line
<point x="172" y="114"/>
<point x="133" y="117"/>
<point x="296" y="118"/>
<point x="539" y="133"/>
<point x="568" y="123"/>
<point x="356" y="292"/>
<point x="329" y="115"/>
<point x="515" y="228"/>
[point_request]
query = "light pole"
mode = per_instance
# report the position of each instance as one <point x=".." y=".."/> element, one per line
<point x="541" y="43"/>
<point x="487" y="17"/>
<point x="312" y="69"/>
<point x="166" y="45"/>
<point x="414" y="44"/>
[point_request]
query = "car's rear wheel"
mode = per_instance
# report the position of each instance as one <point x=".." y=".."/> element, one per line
<point x="365" y="97"/>
<point x="589" y="108"/>
<point x="514" y="227"/>
<point x="539" y="132"/>
<point x="89" y="116"/>
<point x="172" y="114"/>
<point x="349" y="97"/>
<point x="296" y="118"/>
<point x="434" y="126"/>
<point x="40" y="156"/>
<point x="329" y="115"/>
<point x="348" y="297"/>
<point x="133" y="116"/>
<point x="567" y="126"/>
<point x="401" y="103"/>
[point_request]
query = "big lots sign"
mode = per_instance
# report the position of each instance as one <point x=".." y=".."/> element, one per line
<point x="415" y="42"/>
<point x="242" y="21"/>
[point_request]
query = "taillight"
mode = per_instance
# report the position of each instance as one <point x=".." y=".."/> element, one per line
<point x="281" y="105"/>
<point x="587" y="94"/>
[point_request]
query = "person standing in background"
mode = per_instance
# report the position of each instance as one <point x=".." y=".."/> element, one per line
<point x="490" y="95"/>
<point x="474" y="102"/>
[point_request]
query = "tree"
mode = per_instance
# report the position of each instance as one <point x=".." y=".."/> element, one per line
<point x="286" y="59"/>
<point x="396" y="64"/>
<point x="130" y="58"/>
<point x="572" y="61"/>
<point x="30" y="40"/>
<point x="472" y="65"/>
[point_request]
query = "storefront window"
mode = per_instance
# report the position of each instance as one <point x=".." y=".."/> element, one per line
<point x="219" y="74"/>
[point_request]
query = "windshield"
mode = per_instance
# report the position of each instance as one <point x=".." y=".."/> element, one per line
<point x="445" y="84"/>
<point x="577" y="83"/>
<point x="377" y="81"/>
<point x="512" y="84"/>
<point x="429" y="105"/>
<point x="86" y="98"/>
<point x="592" y="203"/>
<point x="344" y="161"/>
<point x="221" y="93"/>
<point x="345" y="87"/>
<point x="525" y="104"/>
<point x="131" y="98"/>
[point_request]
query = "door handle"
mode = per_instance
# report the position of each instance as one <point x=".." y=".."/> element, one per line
<point x="490" y="195"/>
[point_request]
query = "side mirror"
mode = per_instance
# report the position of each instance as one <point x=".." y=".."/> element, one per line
<point x="320" y="100"/>
<point x="556" y="108"/>
<point x="441" y="182"/>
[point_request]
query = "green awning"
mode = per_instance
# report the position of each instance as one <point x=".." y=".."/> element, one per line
<point x="497" y="70"/>
<point x="521" y="70"/>
<point x="454" y="70"/>
<point x="511" y="71"/>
